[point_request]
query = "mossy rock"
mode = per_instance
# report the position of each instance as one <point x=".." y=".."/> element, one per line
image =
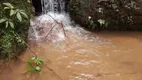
<point x="81" y="10"/>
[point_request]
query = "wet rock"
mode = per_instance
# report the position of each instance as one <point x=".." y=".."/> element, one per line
<point x="85" y="12"/>
<point x="80" y="10"/>
<point x="37" y="6"/>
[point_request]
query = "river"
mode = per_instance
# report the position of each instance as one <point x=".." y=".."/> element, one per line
<point x="108" y="55"/>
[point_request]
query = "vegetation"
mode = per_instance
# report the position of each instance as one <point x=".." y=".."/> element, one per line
<point x="116" y="11"/>
<point x="34" y="63"/>
<point x="13" y="21"/>
<point x="104" y="14"/>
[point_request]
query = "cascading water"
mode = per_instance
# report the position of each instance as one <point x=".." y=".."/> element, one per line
<point x="53" y="14"/>
<point x="53" y="24"/>
<point x="56" y="6"/>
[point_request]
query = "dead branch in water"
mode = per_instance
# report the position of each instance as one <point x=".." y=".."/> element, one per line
<point x="50" y="31"/>
<point x="31" y="50"/>
<point x="60" y="23"/>
<point x="53" y="19"/>
<point x="63" y="29"/>
<point x="45" y="38"/>
<point x="37" y="56"/>
<point x="52" y="71"/>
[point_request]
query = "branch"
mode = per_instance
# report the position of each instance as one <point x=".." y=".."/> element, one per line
<point x="50" y="31"/>
<point x="53" y="19"/>
<point x="53" y="71"/>
<point x="37" y="56"/>
<point x="55" y="25"/>
<point x="26" y="44"/>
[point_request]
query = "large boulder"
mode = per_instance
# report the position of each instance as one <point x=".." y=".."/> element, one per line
<point x="80" y="10"/>
<point x="117" y="15"/>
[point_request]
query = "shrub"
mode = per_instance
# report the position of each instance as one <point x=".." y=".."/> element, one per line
<point x="12" y="21"/>
<point x="116" y="11"/>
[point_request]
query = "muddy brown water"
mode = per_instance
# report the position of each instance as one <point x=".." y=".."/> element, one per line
<point x="100" y="56"/>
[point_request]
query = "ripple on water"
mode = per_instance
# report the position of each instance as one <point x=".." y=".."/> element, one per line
<point x="85" y="52"/>
<point x="82" y="76"/>
<point x="84" y="62"/>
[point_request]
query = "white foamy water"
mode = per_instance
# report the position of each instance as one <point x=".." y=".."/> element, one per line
<point x="52" y="26"/>
<point x="49" y="25"/>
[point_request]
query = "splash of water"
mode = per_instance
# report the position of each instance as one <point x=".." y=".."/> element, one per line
<point x="50" y="25"/>
<point x="53" y="24"/>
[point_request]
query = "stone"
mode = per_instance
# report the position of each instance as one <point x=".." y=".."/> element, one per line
<point x="84" y="12"/>
<point x="37" y="6"/>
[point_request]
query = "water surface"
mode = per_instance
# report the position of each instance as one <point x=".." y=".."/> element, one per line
<point x="85" y="56"/>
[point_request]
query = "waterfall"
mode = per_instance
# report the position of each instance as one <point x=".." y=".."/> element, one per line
<point x="56" y="6"/>
<point x="51" y="24"/>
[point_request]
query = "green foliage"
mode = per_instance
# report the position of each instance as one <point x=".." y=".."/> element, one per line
<point x="101" y="21"/>
<point x="105" y="14"/>
<point x="34" y="63"/>
<point x="6" y="44"/>
<point x="116" y="11"/>
<point x="10" y="19"/>
<point x="11" y="24"/>
<point x="10" y="44"/>
<point x="91" y="24"/>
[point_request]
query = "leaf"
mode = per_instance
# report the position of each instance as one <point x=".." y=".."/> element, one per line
<point x="2" y="20"/>
<point x="38" y="69"/>
<point x="6" y="8"/>
<point x="101" y="21"/>
<point x="23" y="13"/>
<point x="8" y="5"/>
<point x="16" y="11"/>
<point x="30" y="70"/>
<point x="11" y="12"/>
<point x="21" y="10"/>
<point x="38" y="61"/>
<point x="29" y="63"/>
<point x="6" y="24"/>
<point x="31" y="59"/>
<point x="11" y="24"/>
<point x="19" y="17"/>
